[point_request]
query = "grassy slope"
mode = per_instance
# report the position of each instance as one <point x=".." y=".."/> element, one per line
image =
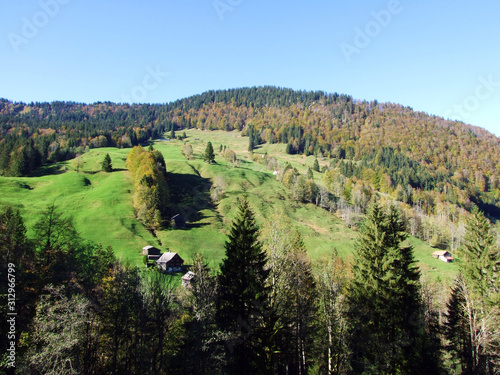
<point x="100" y="203"/>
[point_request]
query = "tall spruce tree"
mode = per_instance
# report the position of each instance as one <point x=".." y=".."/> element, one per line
<point x="315" y="165"/>
<point x="253" y="138"/>
<point x="16" y="254"/>
<point x="473" y="316"/>
<point x="209" y="155"/>
<point x="387" y="329"/>
<point x="106" y="164"/>
<point x="172" y="132"/>
<point x="481" y="266"/>
<point x="457" y="330"/>
<point x="243" y="296"/>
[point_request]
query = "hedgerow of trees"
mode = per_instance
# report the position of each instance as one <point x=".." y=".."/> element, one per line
<point x="151" y="196"/>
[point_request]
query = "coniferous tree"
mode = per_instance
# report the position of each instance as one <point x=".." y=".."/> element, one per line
<point x="251" y="144"/>
<point x="121" y="305"/>
<point x="387" y="329"/>
<point x="253" y="138"/>
<point x="473" y="324"/>
<point x="14" y="245"/>
<point x="209" y="155"/>
<point x="16" y="254"/>
<point x="19" y="163"/>
<point x="172" y="132"/>
<point x="106" y="165"/>
<point x="316" y="165"/>
<point x="457" y="332"/>
<point x="243" y="296"/>
<point x="310" y="174"/>
<point x="57" y="242"/>
<point x="481" y="265"/>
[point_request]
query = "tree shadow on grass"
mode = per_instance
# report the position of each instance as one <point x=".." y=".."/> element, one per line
<point x="49" y="169"/>
<point x="189" y="195"/>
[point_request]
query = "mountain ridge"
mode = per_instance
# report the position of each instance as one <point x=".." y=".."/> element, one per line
<point x="452" y="156"/>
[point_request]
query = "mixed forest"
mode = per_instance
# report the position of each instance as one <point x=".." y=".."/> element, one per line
<point x="267" y="311"/>
<point x="387" y="171"/>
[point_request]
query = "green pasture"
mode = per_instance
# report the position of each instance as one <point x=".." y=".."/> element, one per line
<point x="101" y="203"/>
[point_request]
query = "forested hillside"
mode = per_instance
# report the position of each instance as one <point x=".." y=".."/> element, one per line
<point x="410" y="149"/>
<point x="280" y="285"/>
<point x="439" y="170"/>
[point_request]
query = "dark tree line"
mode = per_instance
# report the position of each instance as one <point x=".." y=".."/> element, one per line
<point x="267" y="311"/>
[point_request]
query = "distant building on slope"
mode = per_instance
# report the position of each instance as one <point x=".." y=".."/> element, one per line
<point x="151" y="252"/>
<point x="187" y="278"/>
<point x="443" y="255"/>
<point x="178" y="221"/>
<point x="168" y="262"/>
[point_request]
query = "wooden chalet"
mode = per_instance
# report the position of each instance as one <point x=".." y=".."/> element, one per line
<point x="170" y="262"/>
<point x="151" y="252"/>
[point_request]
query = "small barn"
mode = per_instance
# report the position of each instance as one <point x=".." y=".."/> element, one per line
<point x="187" y="278"/>
<point x="151" y="252"/>
<point x="443" y="255"/>
<point x="178" y="221"/>
<point x="170" y="262"/>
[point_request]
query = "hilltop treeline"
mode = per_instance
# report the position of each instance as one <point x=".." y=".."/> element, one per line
<point x="268" y="310"/>
<point x="40" y="133"/>
<point x="412" y="148"/>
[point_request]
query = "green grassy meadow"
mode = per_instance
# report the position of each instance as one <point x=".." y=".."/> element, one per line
<point x="101" y="203"/>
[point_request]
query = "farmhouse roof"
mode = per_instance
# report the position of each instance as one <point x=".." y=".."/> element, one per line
<point x="439" y="253"/>
<point x="188" y="276"/>
<point x="178" y="217"/>
<point x="442" y="254"/>
<point x="151" y="251"/>
<point x="167" y="257"/>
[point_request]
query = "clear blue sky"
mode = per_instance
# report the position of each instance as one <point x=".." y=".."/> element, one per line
<point x="441" y="57"/>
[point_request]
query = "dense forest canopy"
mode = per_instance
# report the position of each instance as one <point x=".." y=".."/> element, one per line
<point x="412" y="149"/>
